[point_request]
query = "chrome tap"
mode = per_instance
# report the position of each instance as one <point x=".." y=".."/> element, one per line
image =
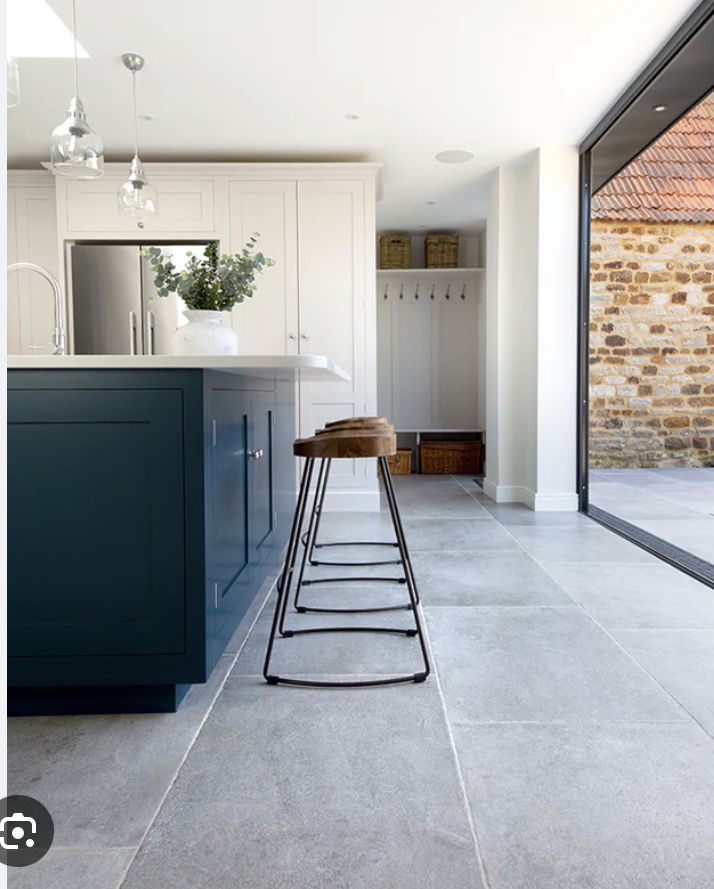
<point x="59" y="336"/>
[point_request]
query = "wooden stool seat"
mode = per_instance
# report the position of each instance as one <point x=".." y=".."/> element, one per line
<point x="346" y="444"/>
<point x="357" y="423"/>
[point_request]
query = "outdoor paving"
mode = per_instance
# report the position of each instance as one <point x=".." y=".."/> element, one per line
<point x="564" y="740"/>
<point x="675" y="504"/>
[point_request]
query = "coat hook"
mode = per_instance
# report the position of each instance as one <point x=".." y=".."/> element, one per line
<point x="447" y="294"/>
<point x="463" y="292"/>
<point x="416" y="292"/>
<point x="433" y="288"/>
<point x="401" y="292"/>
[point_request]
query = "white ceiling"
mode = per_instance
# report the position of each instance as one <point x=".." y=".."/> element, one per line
<point x="274" y="79"/>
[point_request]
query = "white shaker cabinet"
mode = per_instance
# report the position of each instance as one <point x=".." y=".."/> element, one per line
<point x="32" y="237"/>
<point x="267" y="323"/>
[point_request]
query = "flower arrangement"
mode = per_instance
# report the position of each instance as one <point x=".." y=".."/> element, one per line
<point x="213" y="282"/>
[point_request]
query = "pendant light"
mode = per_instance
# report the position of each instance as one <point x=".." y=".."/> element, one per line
<point x="137" y="196"/>
<point x="76" y="150"/>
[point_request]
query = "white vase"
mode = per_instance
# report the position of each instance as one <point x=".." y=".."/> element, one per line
<point x="205" y="334"/>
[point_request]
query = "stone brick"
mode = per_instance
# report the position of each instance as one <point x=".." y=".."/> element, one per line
<point x="676" y="422"/>
<point x="615" y="340"/>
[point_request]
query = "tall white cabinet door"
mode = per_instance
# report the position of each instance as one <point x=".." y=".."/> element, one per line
<point x="267" y="323"/>
<point x="32" y="237"/>
<point x="335" y="290"/>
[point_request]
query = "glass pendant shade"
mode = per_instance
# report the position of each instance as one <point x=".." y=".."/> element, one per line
<point x="13" y="82"/>
<point x="137" y="196"/>
<point x="75" y="149"/>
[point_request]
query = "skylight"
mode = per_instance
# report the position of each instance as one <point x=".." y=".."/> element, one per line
<point x="34" y="30"/>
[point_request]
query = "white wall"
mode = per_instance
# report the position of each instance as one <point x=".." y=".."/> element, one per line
<point x="531" y="306"/>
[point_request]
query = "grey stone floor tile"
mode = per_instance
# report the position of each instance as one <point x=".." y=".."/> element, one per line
<point x="584" y="543"/>
<point x="456" y="534"/>
<point x="549" y="663"/>
<point x="241" y="633"/>
<point x="630" y="504"/>
<point x="450" y="506"/>
<point x="484" y="578"/>
<point x="682" y="662"/>
<point x="602" y="807"/>
<point x="518" y="514"/>
<point x="338" y="653"/>
<point x="72" y="868"/>
<point x="103" y="777"/>
<point x="637" y="596"/>
<point x="309" y="789"/>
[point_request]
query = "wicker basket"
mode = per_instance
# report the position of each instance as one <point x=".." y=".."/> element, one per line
<point x="441" y="251"/>
<point x="450" y="457"/>
<point x="401" y="462"/>
<point x="395" y="251"/>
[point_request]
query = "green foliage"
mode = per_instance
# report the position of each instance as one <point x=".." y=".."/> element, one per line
<point x="212" y="282"/>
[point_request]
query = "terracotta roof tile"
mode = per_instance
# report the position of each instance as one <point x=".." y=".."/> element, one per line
<point x="672" y="180"/>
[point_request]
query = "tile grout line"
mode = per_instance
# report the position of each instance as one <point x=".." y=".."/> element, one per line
<point x="196" y="734"/>
<point x="457" y="762"/>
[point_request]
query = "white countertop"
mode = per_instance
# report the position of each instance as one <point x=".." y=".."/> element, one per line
<point x="311" y="367"/>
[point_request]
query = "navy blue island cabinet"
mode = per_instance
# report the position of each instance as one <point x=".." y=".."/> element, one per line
<point x="146" y="508"/>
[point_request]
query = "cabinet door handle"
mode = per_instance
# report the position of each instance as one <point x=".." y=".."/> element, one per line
<point x="150" y="330"/>
<point x="305" y="336"/>
<point x="132" y="333"/>
<point x="291" y="336"/>
<point x="256" y="455"/>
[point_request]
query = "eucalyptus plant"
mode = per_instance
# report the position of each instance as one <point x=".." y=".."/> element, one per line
<point x="213" y="282"/>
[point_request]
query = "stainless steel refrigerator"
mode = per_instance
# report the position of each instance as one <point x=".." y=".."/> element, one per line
<point x="116" y="309"/>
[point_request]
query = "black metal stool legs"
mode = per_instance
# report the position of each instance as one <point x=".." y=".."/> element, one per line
<point x="285" y="584"/>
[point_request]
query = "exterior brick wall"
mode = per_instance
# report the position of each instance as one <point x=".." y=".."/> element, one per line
<point x="652" y="344"/>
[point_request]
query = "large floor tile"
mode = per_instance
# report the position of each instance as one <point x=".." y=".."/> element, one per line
<point x="307" y="789"/>
<point x="73" y="869"/>
<point x="519" y="514"/>
<point x="682" y="662"/>
<point x="103" y="777"/>
<point x="602" y="807"/>
<point x="448" y="506"/>
<point x="456" y="534"/>
<point x="638" y="596"/>
<point x="343" y="653"/>
<point x="584" y="543"/>
<point x="538" y="664"/>
<point x="484" y="578"/>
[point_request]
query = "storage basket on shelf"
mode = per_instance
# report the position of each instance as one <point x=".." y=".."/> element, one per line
<point x="450" y="457"/>
<point x="401" y="462"/>
<point x="395" y="251"/>
<point x="441" y="251"/>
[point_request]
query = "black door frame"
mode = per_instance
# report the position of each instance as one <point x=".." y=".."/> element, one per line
<point x="679" y="76"/>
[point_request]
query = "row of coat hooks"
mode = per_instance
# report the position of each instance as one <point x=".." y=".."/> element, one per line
<point x="432" y="294"/>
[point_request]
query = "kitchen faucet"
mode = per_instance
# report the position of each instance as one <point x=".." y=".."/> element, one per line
<point x="58" y="338"/>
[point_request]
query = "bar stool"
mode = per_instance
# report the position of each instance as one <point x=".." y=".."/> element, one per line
<point x="351" y="439"/>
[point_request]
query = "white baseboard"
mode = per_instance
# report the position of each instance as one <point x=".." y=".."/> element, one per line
<point x="352" y="501"/>
<point x="556" y="502"/>
<point x="538" y="502"/>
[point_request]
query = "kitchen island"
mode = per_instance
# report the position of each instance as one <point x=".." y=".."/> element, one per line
<point x="149" y="499"/>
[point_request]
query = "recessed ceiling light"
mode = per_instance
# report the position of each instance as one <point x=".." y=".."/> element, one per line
<point x="351" y="116"/>
<point x="454" y="156"/>
<point x="660" y="107"/>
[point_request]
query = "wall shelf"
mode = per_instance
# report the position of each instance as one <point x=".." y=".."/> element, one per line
<point x="439" y="273"/>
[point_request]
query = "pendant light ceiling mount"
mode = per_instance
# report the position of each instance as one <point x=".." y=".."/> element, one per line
<point x="136" y="196"/>
<point x="133" y="61"/>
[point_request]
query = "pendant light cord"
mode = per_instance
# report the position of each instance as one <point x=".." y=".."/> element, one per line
<point x="136" y="118"/>
<point x="74" y="33"/>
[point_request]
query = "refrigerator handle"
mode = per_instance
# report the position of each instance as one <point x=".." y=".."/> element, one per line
<point x="132" y="333"/>
<point x="150" y="328"/>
